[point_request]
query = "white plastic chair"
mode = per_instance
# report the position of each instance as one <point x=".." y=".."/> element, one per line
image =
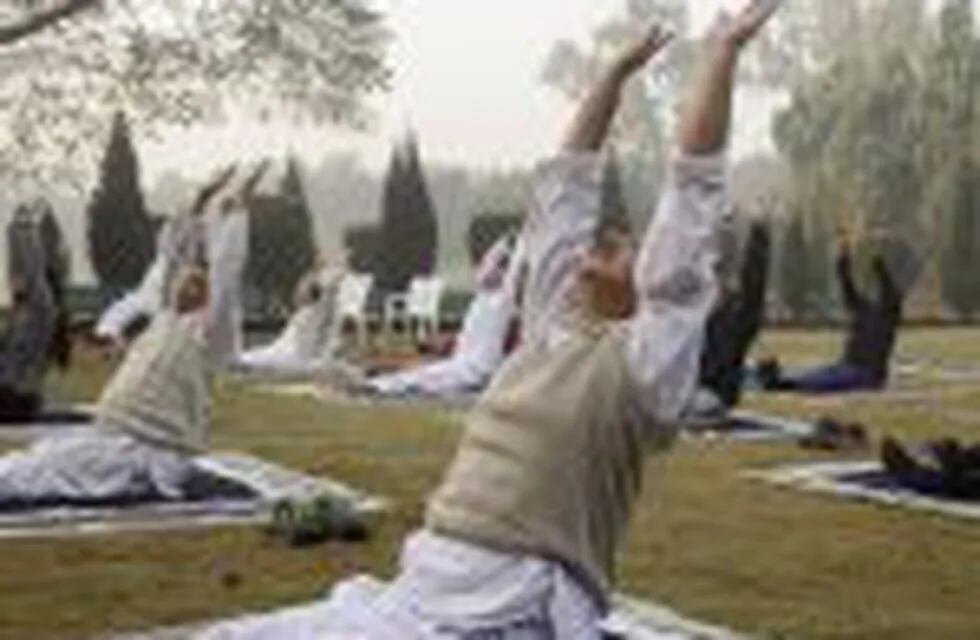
<point x="420" y="304"/>
<point x="352" y="301"/>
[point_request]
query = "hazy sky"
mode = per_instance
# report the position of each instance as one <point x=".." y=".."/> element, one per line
<point x="467" y="77"/>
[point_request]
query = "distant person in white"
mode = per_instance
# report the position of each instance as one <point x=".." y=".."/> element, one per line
<point x="480" y="345"/>
<point x="175" y="249"/>
<point x="312" y="335"/>
<point x="152" y="416"/>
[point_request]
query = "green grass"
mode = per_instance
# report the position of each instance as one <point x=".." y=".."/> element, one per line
<point x="760" y="559"/>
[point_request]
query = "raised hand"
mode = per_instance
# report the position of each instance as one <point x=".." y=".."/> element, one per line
<point x="739" y="28"/>
<point x="639" y="52"/>
<point x="212" y="187"/>
<point x="253" y="180"/>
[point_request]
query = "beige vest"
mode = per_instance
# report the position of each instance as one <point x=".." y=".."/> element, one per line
<point x="551" y="462"/>
<point x="160" y="391"/>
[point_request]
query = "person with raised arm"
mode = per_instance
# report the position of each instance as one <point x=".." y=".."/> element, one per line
<point x="872" y="331"/>
<point x="521" y="537"/>
<point x="151" y="418"/>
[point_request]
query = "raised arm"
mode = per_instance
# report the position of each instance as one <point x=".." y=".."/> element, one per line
<point x="890" y="295"/>
<point x="211" y="189"/>
<point x="845" y="278"/>
<point x="252" y="182"/>
<point x="755" y="269"/>
<point x="566" y="202"/>
<point x="591" y="123"/>
<point x="675" y="272"/>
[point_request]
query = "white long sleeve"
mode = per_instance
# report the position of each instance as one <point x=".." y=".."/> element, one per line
<point x="676" y="285"/>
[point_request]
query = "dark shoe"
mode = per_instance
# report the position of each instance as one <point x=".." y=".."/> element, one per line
<point x="323" y="518"/>
<point x="770" y="373"/>
<point x="827" y="435"/>
<point x="896" y="459"/>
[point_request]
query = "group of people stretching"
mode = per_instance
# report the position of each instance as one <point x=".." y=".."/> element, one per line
<point x="521" y="537"/>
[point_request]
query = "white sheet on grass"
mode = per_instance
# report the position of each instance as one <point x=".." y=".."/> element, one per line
<point x="770" y="428"/>
<point x="269" y="481"/>
<point x="830" y="478"/>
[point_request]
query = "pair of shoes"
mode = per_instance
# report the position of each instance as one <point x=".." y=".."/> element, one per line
<point x="323" y="518"/>
<point x="769" y="373"/>
<point x="831" y="435"/>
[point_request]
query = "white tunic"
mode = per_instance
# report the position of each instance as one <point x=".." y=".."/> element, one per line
<point x="480" y="344"/>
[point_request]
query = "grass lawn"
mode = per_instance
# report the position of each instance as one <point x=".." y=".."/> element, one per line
<point x="759" y="559"/>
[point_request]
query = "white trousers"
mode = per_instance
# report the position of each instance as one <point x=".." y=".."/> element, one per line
<point x="96" y="465"/>
<point x="446" y="590"/>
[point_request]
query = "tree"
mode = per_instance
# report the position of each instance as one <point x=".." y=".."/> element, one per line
<point x="408" y="220"/>
<point x="175" y="63"/>
<point x="363" y="244"/>
<point x="120" y="233"/>
<point x="486" y="229"/>
<point x="960" y="248"/>
<point x="281" y="242"/>
<point x="795" y="269"/>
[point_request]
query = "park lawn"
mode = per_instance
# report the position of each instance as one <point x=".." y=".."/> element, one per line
<point x="715" y="546"/>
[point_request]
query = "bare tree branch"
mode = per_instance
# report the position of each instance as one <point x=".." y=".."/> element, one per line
<point x="17" y="31"/>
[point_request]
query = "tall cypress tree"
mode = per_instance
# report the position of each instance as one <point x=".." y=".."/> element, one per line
<point x="959" y="261"/>
<point x="120" y="233"/>
<point x="409" y="231"/>
<point x="281" y="243"/>
<point x="794" y="270"/>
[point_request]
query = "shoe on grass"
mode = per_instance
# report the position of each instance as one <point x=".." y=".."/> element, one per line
<point x="306" y="522"/>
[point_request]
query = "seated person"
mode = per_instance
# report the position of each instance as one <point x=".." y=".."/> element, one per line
<point x="870" y="341"/>
<point x="312" y="334"/>
<point x="733" y="327"/>
<point x="944" y="467"/>
<point x="37" y="327"/>
<point x="521" y="538"/>
<point x="174" y="249"/>
<point x="480" y="346"/>
<point x="151" y="418"/>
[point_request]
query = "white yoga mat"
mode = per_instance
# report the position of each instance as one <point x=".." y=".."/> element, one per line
<point x="308" y="390"/>
<point x="746" y="426"/>
<point x="832" y="478"/>
<point x="270" y="482"/>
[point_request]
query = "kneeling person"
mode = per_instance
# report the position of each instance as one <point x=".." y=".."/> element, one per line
<point x="151" y="419"/>
<point x="520" y="539"/>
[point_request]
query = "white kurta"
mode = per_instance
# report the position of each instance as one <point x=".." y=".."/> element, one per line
<point x="309" y="338"/>
<point x="480" y="344"/>
<point x="448" y="589"/>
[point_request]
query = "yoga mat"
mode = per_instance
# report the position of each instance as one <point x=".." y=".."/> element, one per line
<point x="745" y="426"/>
<point x="307" y="390"/>
<point x="861" y="480"/>
<point x="269" y="482"/>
